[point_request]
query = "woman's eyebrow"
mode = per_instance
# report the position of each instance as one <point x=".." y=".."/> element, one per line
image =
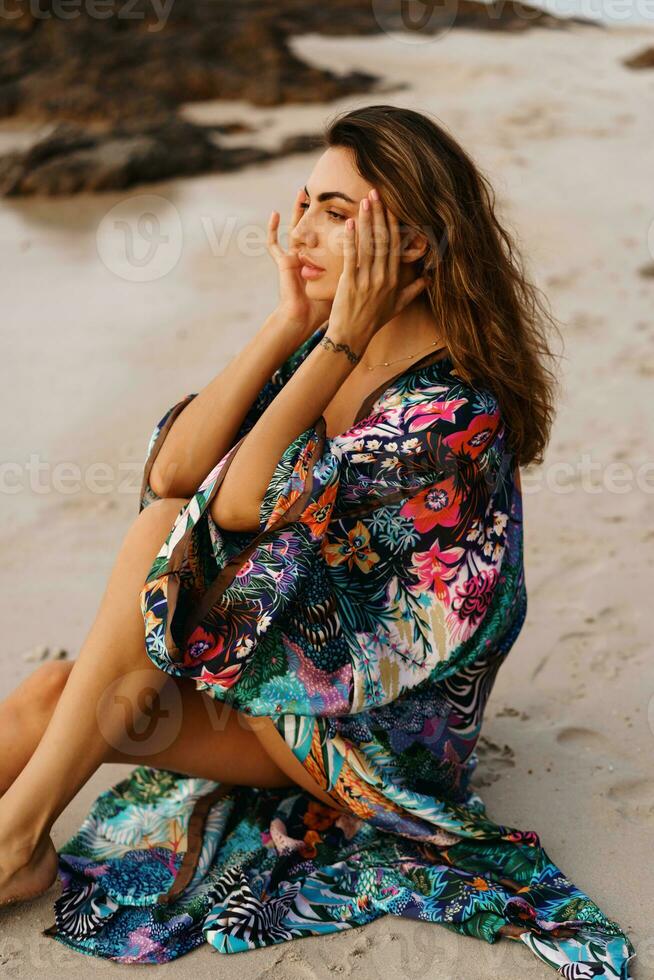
<point x="325" y="196"/>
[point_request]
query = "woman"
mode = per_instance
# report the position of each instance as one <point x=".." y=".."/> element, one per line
<point x="341" y="572"/>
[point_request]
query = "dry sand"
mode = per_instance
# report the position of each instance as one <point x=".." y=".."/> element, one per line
<point x="93" y="360"/>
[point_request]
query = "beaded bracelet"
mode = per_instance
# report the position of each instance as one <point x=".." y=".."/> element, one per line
<point x="329" y="344"/>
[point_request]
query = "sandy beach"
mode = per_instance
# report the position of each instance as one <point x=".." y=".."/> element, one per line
<point x="96" y="349"/>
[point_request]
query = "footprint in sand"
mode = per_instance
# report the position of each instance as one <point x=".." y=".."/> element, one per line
<point x="510" y="712"/>
<point x="494" y="760"/>
<point x="579" y="739"/>
<point x="605" y="648"/>
<point x="584" y="739"/>
<point x="634" y="799"/>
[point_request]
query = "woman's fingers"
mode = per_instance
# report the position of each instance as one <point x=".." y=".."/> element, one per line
<point x="379" y="263"/>
<point x="349" y="251"/>
<point x="297" y="207"/>
<point x="410" y="292"/>
<point x="365" y="245"/>
<point x="274" y="247"/>
<point x="393" y="267"/>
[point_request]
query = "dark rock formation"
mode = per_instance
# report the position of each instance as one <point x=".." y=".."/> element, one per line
<point x="644" y="59"/>
<point x="72" y="159"/>
<point x="115" y="82"/>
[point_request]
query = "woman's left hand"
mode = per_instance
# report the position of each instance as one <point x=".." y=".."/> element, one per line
<point x="295" y="310"/>
<point x="368" y="294"/>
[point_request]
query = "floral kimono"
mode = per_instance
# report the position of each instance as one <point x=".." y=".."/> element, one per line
<point x="367" y="617"/>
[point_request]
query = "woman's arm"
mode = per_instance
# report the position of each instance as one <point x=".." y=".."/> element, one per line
<point x="206" y="427"/>
<point x="237" y="504"/>
<point x="367" y="296"/>
<point x="205" y="430"/>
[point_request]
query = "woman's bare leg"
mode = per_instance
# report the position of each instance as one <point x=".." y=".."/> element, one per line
<point x="200" y="737"/>
<point x="25" y="714"/>
<point x="112" y="686"/>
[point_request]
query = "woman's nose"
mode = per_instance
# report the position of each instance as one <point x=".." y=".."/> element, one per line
<point x="302" y="232"/>
<point x="296" y="234"/>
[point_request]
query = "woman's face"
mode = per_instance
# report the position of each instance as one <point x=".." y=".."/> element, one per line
<point x="334" y="190"/>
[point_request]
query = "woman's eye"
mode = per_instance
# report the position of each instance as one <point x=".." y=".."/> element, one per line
<point x="334" y="215"/>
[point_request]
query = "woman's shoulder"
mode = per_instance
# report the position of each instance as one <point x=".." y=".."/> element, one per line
<point x="434" y="403"/>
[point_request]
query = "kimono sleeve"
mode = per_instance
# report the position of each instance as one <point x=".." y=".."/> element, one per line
<point x="424" y="549"/>
<point x="264" y="397"/>
<point x="206" y="623"/>
<point x="368" y="576"/>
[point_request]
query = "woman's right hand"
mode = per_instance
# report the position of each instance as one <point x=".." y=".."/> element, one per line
<point x="301" y="314"/>
<point x="369" y="293"/>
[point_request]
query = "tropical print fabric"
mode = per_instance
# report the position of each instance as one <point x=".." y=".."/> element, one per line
<point x="368" y="617"/>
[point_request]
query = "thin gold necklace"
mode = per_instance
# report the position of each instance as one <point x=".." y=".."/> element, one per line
<point x="371" y="367"/>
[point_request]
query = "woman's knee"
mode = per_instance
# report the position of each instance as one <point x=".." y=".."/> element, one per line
<point x="153" y="524"/>
<point x="40" y="692"/>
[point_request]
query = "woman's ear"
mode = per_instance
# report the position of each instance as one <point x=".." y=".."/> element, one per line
<point x="413" y="244"/>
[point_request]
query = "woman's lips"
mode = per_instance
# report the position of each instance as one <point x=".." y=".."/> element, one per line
<point x="310" y="271"/>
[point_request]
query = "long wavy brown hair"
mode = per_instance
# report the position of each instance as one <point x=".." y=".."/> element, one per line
<point x="495" y="322"/>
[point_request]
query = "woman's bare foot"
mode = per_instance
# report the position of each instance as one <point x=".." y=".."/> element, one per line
<point x="28" y="874"/>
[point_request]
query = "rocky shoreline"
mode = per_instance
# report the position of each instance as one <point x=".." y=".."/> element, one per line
<point x="113" y="87"/>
